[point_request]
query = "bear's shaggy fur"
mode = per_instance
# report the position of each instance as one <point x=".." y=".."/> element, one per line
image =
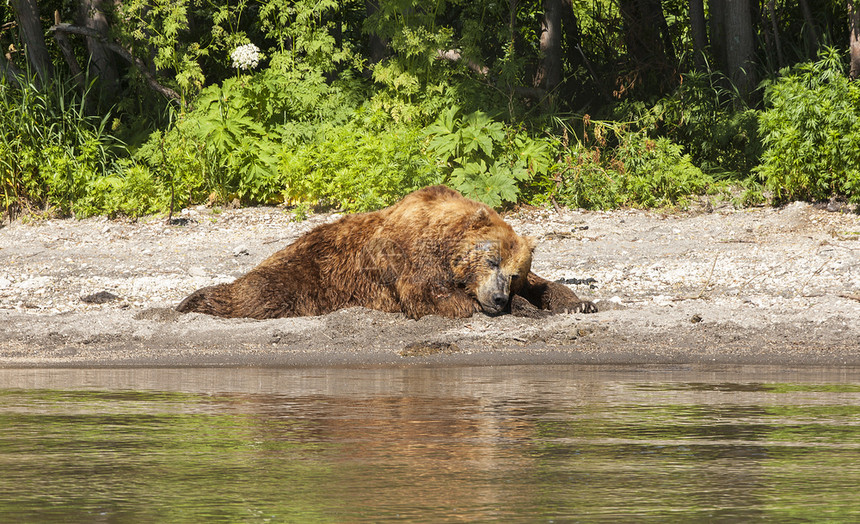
<point x="433" y="253"/>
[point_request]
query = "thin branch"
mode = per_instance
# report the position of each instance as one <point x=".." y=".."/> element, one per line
<point x="454" y="55"/>
<point x="710" y="274"/>
<point x="68" y="54"/>
<point x="124" y="53"/>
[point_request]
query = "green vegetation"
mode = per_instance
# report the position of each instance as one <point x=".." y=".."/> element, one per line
<point x="636" y="171"/>
<point x="351" y="105"/>
<point x="811" y="133"/>
<point x="53" y="154"/>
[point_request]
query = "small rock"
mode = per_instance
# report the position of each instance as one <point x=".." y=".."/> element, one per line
<point x="423" y="349"/>
<point x="99" y="298"/>
<point x="197" y="271"/>
<point x="239" y="251"/>
<point x="35" y="283"/>
<point x="695" y="319"/>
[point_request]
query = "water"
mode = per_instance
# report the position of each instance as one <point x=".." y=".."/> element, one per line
<point x="530" y="443"/>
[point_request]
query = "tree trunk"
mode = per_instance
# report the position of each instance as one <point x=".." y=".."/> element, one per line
<point x="646" y="29"/>
<point x="548" y="74"/>
<point x="102" y="61"/>
<point x="854" y="39"/>
<point x="700" y="35"/>
<point x="571" y="37"/>
<point x="648" y="42"/>
<point x="740" y="46"/>
<point x="810" y="35"/>
<point x="655" y="13"/>
<point x="69" y="54"/>
<point x="780" y="58"/>
<point x="717" y="28"/>
<point x="33" y="37"/>
<point x="573" y="46"/>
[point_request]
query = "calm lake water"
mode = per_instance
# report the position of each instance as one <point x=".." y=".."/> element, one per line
<point x="530" y="443"/>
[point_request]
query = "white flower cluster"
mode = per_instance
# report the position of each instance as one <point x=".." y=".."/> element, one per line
<point x="246" y="56"/>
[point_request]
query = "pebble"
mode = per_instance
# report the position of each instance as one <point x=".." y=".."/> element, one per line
<point x="34" y="284"/>
<point x="196" y="271"/>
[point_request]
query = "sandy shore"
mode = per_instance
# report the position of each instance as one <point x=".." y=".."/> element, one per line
<point x="764" y="286"/>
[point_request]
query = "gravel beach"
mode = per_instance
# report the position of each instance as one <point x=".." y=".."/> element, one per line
<point x="761" y="286"/>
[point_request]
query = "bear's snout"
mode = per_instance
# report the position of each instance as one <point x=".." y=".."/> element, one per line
<point x="494" y="293"/>
<point x="498" y="304"/>
<point x="500" y="300"/>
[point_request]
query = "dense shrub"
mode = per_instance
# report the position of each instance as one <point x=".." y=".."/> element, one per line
<point x="706" y="118"/>
<point x="657" y="173"/>
<point x="720" y="133"/>
<point x="273" y="137"/>
<point x="353" y="104"/>
<point x="356" y="168"/>
<point x="613" y="166"/>
<point x="483" y="158"/>
<point x="811" y="132"/>
<point x="52" y="150"/>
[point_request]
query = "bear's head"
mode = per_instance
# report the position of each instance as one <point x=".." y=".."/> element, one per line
<point x="493" y="261"/>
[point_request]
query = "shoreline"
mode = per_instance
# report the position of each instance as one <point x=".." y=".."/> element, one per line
<point x="752" y="287"/>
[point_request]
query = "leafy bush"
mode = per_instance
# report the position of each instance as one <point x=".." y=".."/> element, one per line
<point x="582" y="179"/>
<point x="131" y="191"/>
<point x="483" y="158"/>
<point x="657" y="173"/>
<point x="171" y="162"/>
<point x="711" y="122"/>
<point x="51" y="148"/>
<point x="639" y="171"/>
<point x="228" y="145"/>
<point x="288" y="134"/>
<point x="811" y="132"/>
<point x="356" y="168"/>
<point x="708" y="119"/>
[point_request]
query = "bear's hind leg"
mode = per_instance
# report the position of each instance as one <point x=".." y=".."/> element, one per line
<point x="212" y="300"/>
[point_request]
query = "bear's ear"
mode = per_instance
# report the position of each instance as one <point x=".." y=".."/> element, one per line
<point x="481" y="217"/>
<point x="531" y="242"/>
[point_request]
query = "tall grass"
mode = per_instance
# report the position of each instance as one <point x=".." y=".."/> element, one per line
<point x="51" y="147"/>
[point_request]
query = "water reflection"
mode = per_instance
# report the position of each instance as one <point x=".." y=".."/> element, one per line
<point x="511" y="443"/>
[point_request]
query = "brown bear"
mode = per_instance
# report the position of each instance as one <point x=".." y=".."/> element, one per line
<point x="433" y="253"/>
